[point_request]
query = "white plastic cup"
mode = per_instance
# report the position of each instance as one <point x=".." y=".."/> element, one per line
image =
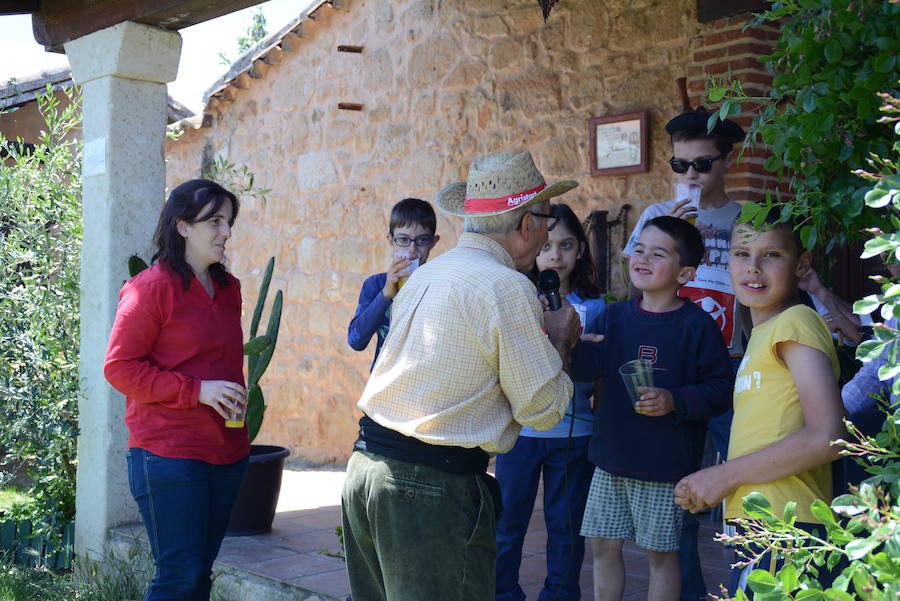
<point x="581" y="310"/>
<point x="405" y="273"/>
<point x="691" y="193"/>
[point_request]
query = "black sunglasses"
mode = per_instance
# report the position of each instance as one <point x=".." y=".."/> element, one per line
<point x="700" y="165"/>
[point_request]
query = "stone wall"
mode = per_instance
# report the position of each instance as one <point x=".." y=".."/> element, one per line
<point x="440" y="81"/>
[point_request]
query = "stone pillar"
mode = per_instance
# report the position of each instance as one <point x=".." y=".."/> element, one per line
<point x="123" y="70"/>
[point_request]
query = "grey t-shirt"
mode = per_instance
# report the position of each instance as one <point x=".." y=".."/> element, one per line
<point x="711" y="287"/>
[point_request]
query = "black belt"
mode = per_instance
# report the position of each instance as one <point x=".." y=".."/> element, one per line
<point x="375" y="438"/>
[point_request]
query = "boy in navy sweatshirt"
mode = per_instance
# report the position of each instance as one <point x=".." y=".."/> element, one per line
<point x="411" y="235"/>
<point x="641" y="450"/>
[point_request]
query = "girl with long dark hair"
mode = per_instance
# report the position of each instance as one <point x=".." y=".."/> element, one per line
<point x="559" y="455"/>
<point x="175" y="352"/>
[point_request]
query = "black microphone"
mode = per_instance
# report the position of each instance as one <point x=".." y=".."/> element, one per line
<point x="548" y="283"/>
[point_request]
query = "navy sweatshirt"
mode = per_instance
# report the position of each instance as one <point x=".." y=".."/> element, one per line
<point x="372" y="315"/>
<point x="689" y="358"/>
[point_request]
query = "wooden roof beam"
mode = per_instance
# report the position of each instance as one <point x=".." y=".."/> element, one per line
<point x="19" y="7"/>
<point x="59" y="21"/>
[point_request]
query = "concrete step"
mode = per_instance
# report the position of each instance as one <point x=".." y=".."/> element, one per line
<point x="244" y="574"/>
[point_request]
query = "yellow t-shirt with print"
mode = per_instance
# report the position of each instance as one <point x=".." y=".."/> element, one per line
<point x="767" y="409"/>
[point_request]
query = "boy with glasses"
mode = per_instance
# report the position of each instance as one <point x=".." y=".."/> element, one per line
<point x="702" y="158"/>
<point x="411" y="236"/>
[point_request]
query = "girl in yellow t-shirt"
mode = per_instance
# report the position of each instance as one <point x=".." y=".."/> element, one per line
<point x="787" y="404"/>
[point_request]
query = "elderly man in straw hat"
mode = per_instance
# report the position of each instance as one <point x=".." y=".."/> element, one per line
<point x="469" y="359"/>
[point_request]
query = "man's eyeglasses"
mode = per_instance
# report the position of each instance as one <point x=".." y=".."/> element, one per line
<point x="551" y="220"/>
<point x="700" y="165"/>
<point x="420" y="241"/>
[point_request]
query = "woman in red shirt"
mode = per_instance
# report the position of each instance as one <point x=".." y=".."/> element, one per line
<point x="176" y="353"/>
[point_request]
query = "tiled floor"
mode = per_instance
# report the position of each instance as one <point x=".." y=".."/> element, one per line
<point x="295" y="551"/>
<point x="309" y="511"/>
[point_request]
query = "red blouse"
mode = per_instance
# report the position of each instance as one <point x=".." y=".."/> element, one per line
<point x="164" y="342"/>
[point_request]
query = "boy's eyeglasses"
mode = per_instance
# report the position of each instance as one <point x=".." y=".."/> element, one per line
<point x="700" y="165"/>
<point x="420" y="241"/>
<point x="551" y="220"/>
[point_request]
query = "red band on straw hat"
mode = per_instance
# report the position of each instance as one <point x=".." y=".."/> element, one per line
<point x="493" y="205"/>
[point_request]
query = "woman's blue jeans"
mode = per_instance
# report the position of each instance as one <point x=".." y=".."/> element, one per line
<point x="185" y="505"/>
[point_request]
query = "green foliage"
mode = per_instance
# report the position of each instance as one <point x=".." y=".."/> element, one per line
<point x="259" y="351"/>
<point x="115" y="579"/>
<point x="255" y="32"/>
<point x="342" y="555"/>
<point x="819" y="121"/>
<point x="11" y="495"/>
<point x="835" y="66"/>
<point x="240" y="181"/>
<point x="257" y="345"/>
<point x="40" y="249"/>
<point x="863" y="527"/>
<point x="135" y="265"/>
<point x="29" y="584"/>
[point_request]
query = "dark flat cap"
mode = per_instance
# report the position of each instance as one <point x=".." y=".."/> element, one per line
<point x="695" y="121"/>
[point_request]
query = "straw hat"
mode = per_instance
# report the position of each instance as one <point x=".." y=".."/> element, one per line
<point x="498" y="183"/>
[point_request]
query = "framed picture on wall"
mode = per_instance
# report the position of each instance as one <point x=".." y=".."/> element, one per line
<point x="619" y="143"/>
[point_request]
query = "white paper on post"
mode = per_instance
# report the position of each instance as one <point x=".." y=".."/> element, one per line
<point x="94" y="157"/>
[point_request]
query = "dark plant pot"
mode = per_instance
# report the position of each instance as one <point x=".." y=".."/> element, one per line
<point x="254" y="508"/>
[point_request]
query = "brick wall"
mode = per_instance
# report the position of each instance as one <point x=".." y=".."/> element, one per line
<point x="728" y="49"/>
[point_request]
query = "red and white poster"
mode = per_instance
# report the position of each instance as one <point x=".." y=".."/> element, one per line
<point x="711" y="291"/>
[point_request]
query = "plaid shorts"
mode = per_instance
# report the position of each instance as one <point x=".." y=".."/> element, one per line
<point x="638" y="510"/>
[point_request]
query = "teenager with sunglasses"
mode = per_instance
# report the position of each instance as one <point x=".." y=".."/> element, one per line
<point x="700" y="157"/>
<point x="411" y="237"/>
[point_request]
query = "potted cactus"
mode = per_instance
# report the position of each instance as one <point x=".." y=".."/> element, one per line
<point x="254" y="508"/>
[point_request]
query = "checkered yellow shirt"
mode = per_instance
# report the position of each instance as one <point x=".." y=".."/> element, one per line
<point x="466" y="361"/>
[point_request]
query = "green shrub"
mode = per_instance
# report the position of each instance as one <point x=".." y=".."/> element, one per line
<point x="115" y="579"/>
<point x="30" y="584"/>
<point x="835" y="67"/>
<point x="11" y="495"/>
<point x="40" y="249"/>
<point x="820" y="118"/>
<point x="863" y="527"/>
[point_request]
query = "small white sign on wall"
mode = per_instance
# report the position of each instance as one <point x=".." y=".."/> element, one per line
<point x="94" y="157"/>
